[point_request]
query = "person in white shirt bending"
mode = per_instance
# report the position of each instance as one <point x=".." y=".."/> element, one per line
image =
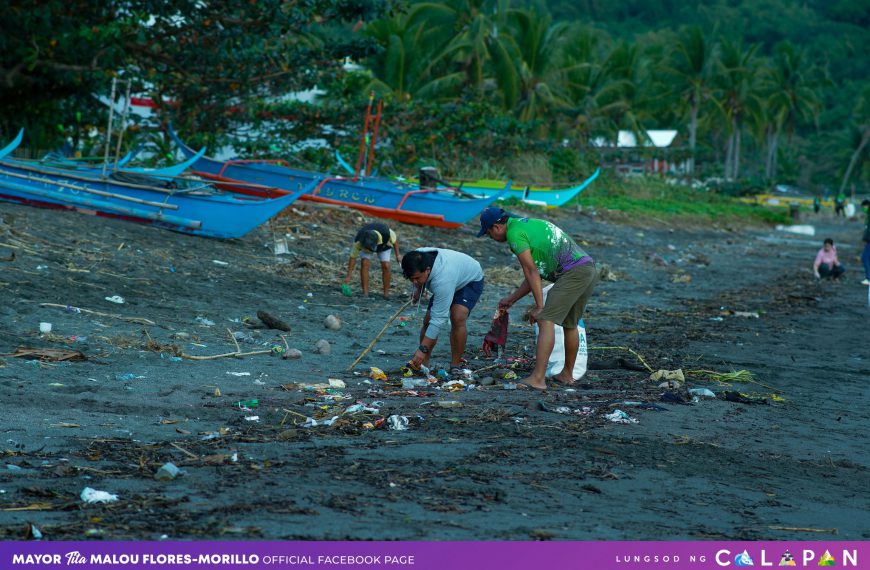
<point x="456" y="283"/>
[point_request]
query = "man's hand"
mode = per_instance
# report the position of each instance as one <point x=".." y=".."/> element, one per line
<point x="534" y="313"/>
<point x="417" y="360"/>
<point x="504" y="304"/>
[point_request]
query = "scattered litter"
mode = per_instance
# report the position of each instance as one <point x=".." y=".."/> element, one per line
<point x="219" y="262"/>
<point x="126" y="377"/>
<point x="702" y="393"/>
<point x="45" y="328"/>
<point x="239" y="373"/>
<point x="673" y="378"/>
<point x="33" y="533"/>
<point x="205" y="322"/>
<point x="117" y="299"/>
<point x="252" y="418"/>
<point x="414" y="383"/>
<point x="554" y="409"/>
<point x="356" y="408"/>
<point x="167" y="472"/>
<point x="247" y="404"/>
<point x="673" y="398"/>
<point x="448" y="404"/>
<point x="336" y="383"/>
<point x="311" y="422"/>
<point x="747" y="314"/>
<point x="397" y="423"/>
<point x="620" y="417"/>
<point x="799" y="229"/>
<point x="741" y="398"/>
<point x="92" y="496"/>
<point x="377" y="374"/>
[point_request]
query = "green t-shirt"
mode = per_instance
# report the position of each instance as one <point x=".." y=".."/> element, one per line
<point x="552" y="249"/>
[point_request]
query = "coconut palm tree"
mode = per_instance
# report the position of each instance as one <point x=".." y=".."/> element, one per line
<point x="407" y="67"/>
<point x="792" y="98"/>
<point x="536" y="43"/>
<point x="861" y="128"/>
<point x="737" y="96"/>
<point x="468" y="35"/>
<point x="690" y="70"/>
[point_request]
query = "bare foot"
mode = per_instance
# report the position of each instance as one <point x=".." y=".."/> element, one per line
<point x="562" y="378"/>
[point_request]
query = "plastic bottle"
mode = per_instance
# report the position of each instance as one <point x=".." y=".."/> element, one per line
<point x="248" y="403"/>
<point x="448" y="404"/>
<point x="167" y="472"/>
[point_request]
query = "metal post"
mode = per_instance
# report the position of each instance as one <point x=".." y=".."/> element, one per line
<point x="109" y="129"/>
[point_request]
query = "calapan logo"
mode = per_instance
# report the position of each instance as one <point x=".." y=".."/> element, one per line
<point x="743" y="559"/>
<point x="827" y="559"/>
<point x="787" y="559"/>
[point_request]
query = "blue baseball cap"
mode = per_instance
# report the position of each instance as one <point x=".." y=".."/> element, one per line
<point x="488" y="218"/>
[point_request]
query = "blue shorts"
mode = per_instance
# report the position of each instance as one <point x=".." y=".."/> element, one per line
<point x="467" y="296"/>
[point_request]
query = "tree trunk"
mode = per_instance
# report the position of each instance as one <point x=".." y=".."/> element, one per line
<point x="735" y="162"/>
<point x="693" y="137"/>
<point x="864" y="138"/>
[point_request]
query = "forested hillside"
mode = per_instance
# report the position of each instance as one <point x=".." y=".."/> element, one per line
<point x="760" y="91"/>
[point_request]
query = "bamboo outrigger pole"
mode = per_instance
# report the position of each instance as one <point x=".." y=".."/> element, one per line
<point x="362" y="142"/>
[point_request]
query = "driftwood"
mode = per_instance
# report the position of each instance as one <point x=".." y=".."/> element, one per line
<point x="272" y="322"/>
<point x="137" y="320"/>
<point x="225" y="355"/>
<point x="374" y="340"/>
<point x="47" y="354"/>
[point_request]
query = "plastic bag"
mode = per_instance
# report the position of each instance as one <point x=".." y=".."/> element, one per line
<point x="556" y="362"/>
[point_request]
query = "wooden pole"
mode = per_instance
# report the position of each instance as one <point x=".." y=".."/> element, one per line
<point x="374" y="340"/>
<point x="362" y="142"/>
<point x="375" y="139"/>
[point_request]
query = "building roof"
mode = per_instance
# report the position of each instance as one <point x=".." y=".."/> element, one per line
<point x="627" y="139"/>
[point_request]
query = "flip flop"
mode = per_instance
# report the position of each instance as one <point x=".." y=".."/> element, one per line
<point x="529" y="386"/>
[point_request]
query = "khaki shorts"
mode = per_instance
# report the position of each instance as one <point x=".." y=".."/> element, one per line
<point x="567" y="300"/>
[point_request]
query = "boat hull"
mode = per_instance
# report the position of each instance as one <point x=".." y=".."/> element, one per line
<point x="378" y="197"/>
<point x="204" y="212"/>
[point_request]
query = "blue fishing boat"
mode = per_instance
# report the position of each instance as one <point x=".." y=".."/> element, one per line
<point x="440" y="207"/>
<point x="185" y="205"/>
<point x="537" y="196"/>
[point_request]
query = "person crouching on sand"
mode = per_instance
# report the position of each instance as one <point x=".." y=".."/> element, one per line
<point x="372" y="239"/>
<point x="456" y="283"/>
<point x="827" y="264"/>
<point x="544" y="250"/>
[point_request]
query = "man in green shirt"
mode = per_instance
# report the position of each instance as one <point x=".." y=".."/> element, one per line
<point x="545" y="251"/>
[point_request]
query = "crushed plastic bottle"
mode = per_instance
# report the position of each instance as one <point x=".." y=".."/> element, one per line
<point x="247" y="404"/>
<point x="167" y="472"/>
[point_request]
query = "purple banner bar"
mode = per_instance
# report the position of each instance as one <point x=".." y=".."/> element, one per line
<point x="431" y="555"/>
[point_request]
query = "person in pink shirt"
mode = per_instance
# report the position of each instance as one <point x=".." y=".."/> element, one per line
<point x="827" y="264"/>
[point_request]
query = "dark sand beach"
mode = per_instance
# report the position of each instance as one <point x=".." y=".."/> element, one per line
<point x="503" y="466"/>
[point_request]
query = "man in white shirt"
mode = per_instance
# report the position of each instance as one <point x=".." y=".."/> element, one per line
<point x="456" y="283"/>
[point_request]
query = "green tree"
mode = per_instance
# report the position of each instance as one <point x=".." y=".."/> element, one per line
<point x="791" y="99"/>
<point x="204" y="63"/>
<point x="737" y="96"/>
<point x="690" y="70"/>
<point x="861" y="128"/>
